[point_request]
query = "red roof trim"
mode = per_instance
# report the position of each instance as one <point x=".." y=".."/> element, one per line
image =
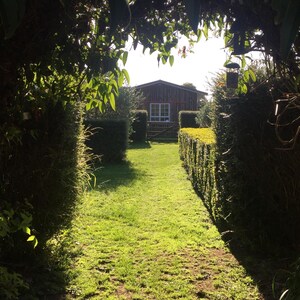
<point x="170" y="84"/>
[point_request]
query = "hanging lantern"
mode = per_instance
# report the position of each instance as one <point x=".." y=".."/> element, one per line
<point x="232" y="75"/>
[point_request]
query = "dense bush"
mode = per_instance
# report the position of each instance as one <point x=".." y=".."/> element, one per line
<point x="205" y="115"/>
<point x="197" y="150"/>
<point x="259" y="185"/>
<point x="139" y="126"/>
<point x="43" y="172"/>
<point x="109" y="139"/>
<point x="187" y="119"/>
<point x="127" y="101"/>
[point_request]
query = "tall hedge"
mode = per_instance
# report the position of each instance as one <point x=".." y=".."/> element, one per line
<point x="43" y="171"/>
<point x="139" y="126"/>
<point x="187" y="119"/>
<point x="259" y="184"/>
<point x="109" y="139"/>
<point x="250" y="186"/>
<point x="54" y="165"/>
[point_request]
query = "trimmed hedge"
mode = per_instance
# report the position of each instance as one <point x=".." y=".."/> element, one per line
<point x="259" y="185"/>
<point x="44" y="173"/>
<point x="187" y="119"/>
<point x="251" y="188"/>
<point x="109" y="139"/>
<point x="139" y="126"/>
<point x="197" y="150"/>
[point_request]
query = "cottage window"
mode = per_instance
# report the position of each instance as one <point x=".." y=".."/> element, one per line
<point x="159" y="112"/>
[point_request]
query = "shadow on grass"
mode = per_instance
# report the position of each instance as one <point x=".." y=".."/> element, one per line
<point x="111" y="176"/>
<point x="267" y="265"/>
<point x="268" y="271"/>
<point x="139" y="145"/>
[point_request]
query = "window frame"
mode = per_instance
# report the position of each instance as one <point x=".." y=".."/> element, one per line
<point x="160" y="117"/>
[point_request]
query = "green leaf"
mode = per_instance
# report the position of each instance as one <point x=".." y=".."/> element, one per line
<point x="31" y="238"/>
<point x="114" y="85"/>
<point x="27" y="230"/>
<point x="105" y="98"/>
<point x="88" y="105"/>
<point x="171" y="60"/>
<point x="11" y="14"/>
<point x="120" y="80"/>
<point x="124" y="57"/>
<point x="252" y="75"/>
<point x="205" y="30"/>
<point x="126" y="75"/>
<point x="35" y="243"/>
<point x="244" y="89"/>
<point x="246" y="76"/>
<point x="199" y="33"/>
<point x="112" y="101"/>
<point x="100" y="106"/>
<point x="243" y="62"/>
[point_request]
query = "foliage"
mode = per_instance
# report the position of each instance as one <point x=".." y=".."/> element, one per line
<point x="40" y="183"/>
<point x="127" y="102"/>
<point x="139" y="126"/>
<point x="189" y="85"/>
<point x="197" y="150"/>
<point x="204" y="135"/>
<point x="11" y="284"/>
<point x="109" y="139"/>
<point x="205" y="115"/>
<point x="70" y="51"/>
<point x="187" y="119"/>
<point x="271" y="26"/>
<point x="293" y="289"/>
<point x="254" y="177"/>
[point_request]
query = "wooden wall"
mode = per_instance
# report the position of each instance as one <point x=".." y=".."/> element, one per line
<point x="179" y="99"/>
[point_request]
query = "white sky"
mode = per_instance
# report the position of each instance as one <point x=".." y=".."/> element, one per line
<point x="207" y="59"/>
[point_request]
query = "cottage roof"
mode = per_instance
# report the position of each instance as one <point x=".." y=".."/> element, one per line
<point x="157" y="82"/>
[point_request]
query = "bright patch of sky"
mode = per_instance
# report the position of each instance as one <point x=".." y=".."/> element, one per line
<point x="198" y="67"/>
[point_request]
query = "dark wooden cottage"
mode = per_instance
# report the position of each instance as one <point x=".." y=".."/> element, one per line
<point x="164" y="101"/>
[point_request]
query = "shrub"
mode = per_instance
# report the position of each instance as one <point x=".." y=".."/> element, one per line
<point x="43" y="171"/>
<point x="197" y="150"/>
<point x="205" y="115"/>
<point x="109" y="139"/>
<point x="55" y="165"/>
<point x="257" y="183"/>
<point x="139" y="126"/>
<point x="128" y="100"/>
<point x="187" y="119"/>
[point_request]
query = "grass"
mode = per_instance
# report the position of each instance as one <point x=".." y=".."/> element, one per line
<point x="142" y="233"/>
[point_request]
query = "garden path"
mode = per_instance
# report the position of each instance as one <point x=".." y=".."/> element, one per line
<point x="143" y="233"/>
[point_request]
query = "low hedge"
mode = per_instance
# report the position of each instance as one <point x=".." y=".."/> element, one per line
<point x="109" y="139"/>
<point x="139" y="126"/>
<point x="197" y="150"/>
<point x="187" y="119"/>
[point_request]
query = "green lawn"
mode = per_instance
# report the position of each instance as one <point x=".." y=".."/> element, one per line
<point x="144" y="234"/>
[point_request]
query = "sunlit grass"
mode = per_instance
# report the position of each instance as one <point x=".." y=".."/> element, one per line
<point x="144" y="234"/>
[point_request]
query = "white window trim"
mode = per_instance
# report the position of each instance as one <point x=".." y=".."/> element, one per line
<point x="160" y="104"/>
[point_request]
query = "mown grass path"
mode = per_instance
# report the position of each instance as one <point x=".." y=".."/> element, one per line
<point x="144" y="234"/>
